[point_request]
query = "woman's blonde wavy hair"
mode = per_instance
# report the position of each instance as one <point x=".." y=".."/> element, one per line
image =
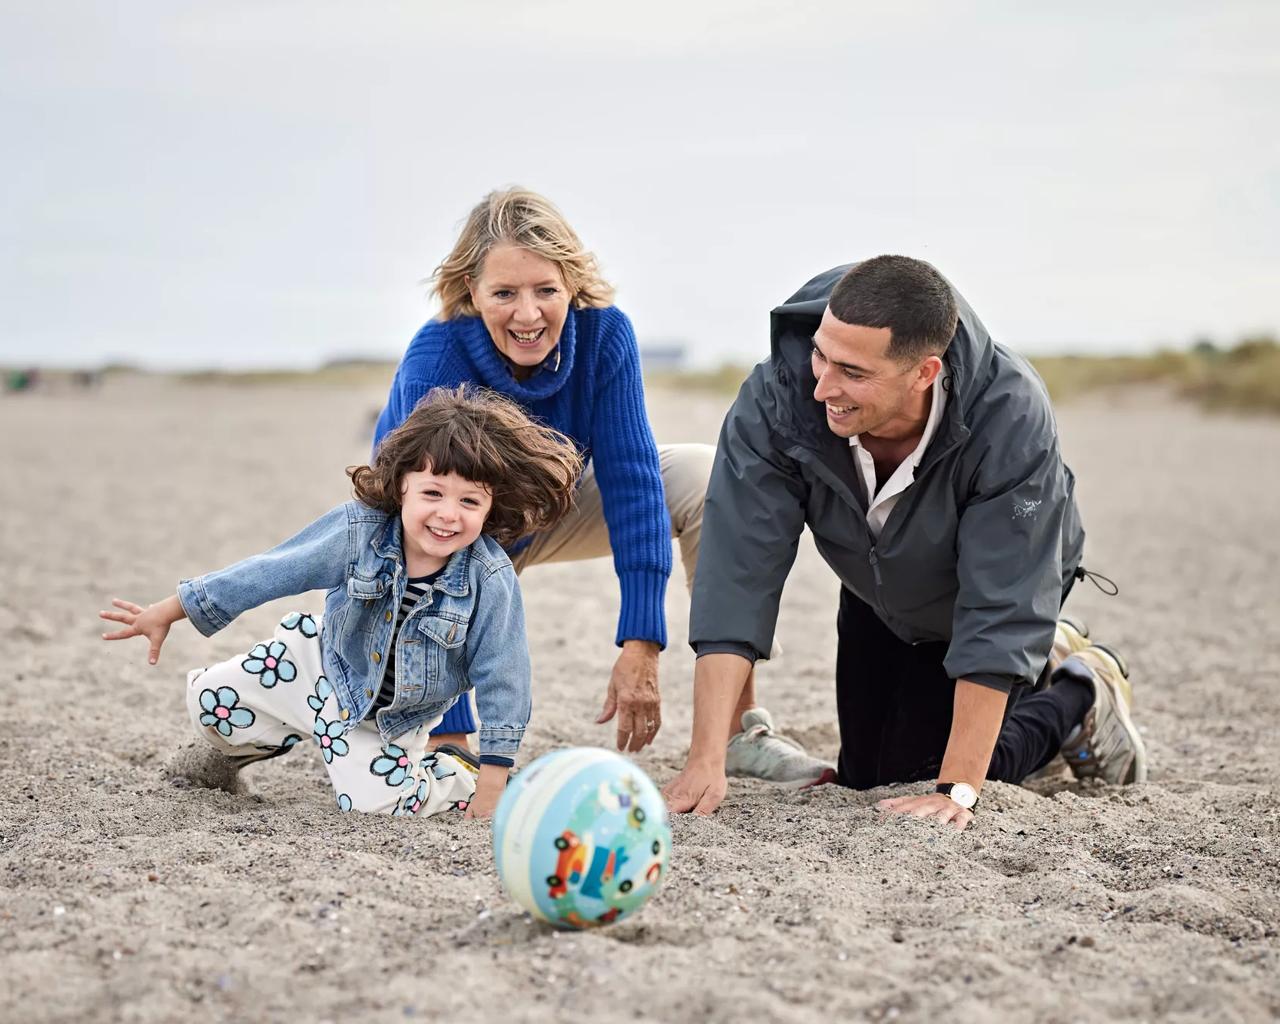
<point x="518" y="217"/>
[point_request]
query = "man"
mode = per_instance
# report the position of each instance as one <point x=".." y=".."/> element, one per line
<point x="924" y="459"/>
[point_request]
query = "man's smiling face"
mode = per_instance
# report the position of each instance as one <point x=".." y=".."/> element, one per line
<point x="865" y="391"/>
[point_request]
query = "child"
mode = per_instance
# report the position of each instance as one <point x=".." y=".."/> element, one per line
<point x="422" y="605"/>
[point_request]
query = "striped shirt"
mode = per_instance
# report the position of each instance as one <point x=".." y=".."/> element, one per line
<point x="415" y="588"/>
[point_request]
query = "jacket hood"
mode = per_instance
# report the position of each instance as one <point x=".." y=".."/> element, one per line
<point x="970" y="356"/>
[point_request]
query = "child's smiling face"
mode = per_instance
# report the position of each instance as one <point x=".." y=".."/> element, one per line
<point x="439" y="514"/>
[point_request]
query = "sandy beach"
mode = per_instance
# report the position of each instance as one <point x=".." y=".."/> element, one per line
<point x="126" y="898"/>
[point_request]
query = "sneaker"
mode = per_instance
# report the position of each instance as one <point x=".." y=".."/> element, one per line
<point x="1069" y="636"/>
<point x="462" y="755"/>
<point x="1106" y="745"/>
<point x="759" y="752"/>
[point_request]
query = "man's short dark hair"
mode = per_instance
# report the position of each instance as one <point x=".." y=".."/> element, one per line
<point x="907" y="296"/>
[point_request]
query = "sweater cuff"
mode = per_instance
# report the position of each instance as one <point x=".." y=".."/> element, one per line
<point x="643" y="615"/>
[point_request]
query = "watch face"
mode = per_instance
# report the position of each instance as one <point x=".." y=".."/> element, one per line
<point x="964" y="794"/>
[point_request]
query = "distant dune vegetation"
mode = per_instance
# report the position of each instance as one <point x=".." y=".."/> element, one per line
<point x="1243" y="378"/>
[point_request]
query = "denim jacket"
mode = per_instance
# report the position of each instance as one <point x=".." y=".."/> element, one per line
<point x="468" y="631"/>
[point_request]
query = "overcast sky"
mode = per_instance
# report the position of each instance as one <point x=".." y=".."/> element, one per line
<point x="266" y="183"/>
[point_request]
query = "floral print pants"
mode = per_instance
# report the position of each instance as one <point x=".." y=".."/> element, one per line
<point x="258" y="705"/>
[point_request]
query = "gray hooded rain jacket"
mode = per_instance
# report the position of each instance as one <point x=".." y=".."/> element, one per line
<point x="978" y="550"/>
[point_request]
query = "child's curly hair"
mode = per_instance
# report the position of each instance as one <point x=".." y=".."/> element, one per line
<point x="530" y="469"/>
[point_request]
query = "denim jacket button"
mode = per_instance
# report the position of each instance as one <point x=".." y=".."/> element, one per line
<point x="376" y="657"/>
<point x="386" y="616"/>
<point x="368" y="693"/>
<point x="345" y="714"/>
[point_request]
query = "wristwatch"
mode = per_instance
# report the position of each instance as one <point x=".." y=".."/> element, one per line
<point x="961" y="792"/>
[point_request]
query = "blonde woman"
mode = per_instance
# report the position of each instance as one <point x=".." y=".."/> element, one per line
<point x="525" y="312"/>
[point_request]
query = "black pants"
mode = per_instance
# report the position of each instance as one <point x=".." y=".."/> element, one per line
<point x="894" y="702"/>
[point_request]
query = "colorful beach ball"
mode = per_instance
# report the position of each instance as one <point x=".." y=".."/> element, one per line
<point x="581" y="838"/>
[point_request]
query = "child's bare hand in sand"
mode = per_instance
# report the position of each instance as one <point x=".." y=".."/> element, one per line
<point x="153" y="622"/>
<point x="489" y="787"/>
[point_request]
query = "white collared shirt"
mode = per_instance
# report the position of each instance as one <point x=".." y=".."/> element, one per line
<point x="879" y="505"/>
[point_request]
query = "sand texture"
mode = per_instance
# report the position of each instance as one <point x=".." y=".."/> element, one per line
<point x="127" y="898"/>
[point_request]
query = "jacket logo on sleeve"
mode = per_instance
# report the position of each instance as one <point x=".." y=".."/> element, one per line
<point x="1024" y="509"/>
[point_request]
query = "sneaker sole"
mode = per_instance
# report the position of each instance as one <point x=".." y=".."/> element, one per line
<point x="465" y="757"/>
<point x="1122" y="698"/>
<point x="1115" y="656"/>
<point x="244" y="760"/>
<point x="827" y="778"/>
<point x="800" y="783"/>
<point x="1078" y="626"/>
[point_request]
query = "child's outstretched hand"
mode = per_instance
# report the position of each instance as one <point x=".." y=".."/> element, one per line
<point x="153" y="622"/>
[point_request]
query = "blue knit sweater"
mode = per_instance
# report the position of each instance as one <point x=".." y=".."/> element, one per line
<point x="593" y="393"/>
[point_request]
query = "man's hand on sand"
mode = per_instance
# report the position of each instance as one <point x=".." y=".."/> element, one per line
<point x="633" y="695"/>
<point x="935" y="806"/>
<point x="699" y="789"/>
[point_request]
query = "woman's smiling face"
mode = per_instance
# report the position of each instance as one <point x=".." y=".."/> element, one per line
<point x="522" y="299"/>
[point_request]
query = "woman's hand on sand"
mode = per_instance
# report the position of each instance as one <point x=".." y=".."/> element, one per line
<point x="153" y="622"/>
<point x="936" y="806"/>
<point x="489" y="787"/>
<point x="633" y="695"/>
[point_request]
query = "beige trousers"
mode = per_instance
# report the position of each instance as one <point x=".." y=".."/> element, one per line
<point x="685" y="468"/>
